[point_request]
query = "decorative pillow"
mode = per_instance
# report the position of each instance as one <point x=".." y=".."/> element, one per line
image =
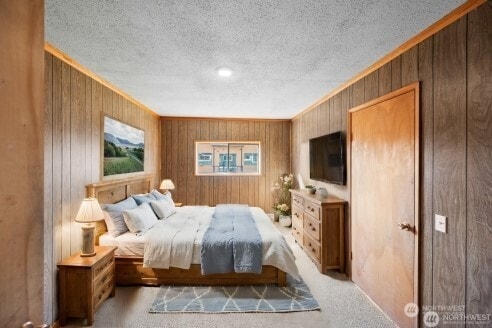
<point x="162" y="208"/>
<point x="109" y="222"/>
<point x="144" y="198"/>
<point x="140" y="219"/>
<point x="117" y="226"/>
<point x="157" y="194"/>
<point x="169" y="198"/>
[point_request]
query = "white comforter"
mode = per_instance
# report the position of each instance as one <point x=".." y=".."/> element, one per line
<point x="170" y="243"/>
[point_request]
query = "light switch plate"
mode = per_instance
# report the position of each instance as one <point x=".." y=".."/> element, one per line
<point x="440" y="223"/>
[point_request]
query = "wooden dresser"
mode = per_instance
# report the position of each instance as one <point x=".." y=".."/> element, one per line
<point x="318" y="227"/>
<point x="85" y="282"/>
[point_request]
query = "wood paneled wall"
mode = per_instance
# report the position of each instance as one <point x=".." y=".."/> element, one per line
<point x="21" y="161"/>
<point x="75" y="105"/>
<point x="454" y="67"/>
<point x="178" y="154"/>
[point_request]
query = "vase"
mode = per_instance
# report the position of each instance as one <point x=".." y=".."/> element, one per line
<point x="285" y="220"/>
<point x="275" y="217"/>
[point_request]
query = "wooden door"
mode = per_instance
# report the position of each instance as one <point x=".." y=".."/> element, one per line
<point x="384" y="187"/>
<point x="21" y="161"/>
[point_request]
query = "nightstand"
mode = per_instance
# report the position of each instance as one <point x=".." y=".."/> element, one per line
<point x="178" y="204"/>
<point x="85" y="283"/>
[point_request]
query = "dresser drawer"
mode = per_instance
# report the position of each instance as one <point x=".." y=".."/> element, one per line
<point x="297" y="231"/>
<point x="313" y="227"/>
<point x="298" y="201"/>
<point x="312" y="247"/>
<point x="312" y="209"/>
<point x="297" y="219"/>
<point x="297" y="213"/>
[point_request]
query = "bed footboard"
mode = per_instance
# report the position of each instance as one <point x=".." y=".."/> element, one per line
<point x="130" y="271"/>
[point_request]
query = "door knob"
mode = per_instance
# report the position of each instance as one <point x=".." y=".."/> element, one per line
<point x="405" y="226"/>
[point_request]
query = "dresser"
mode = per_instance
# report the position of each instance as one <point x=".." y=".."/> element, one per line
<point x="84" y="283"/>
<point x="318" y="228"/>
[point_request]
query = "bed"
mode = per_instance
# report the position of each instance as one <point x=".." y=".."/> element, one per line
<point x="129" y="258"/>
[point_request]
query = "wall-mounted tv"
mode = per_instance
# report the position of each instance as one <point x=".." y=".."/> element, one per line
<point x="327" y="158"/>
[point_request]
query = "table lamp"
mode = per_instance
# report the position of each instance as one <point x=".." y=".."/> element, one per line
<point x="89" y="212"/>
<point x="166" y="184"/>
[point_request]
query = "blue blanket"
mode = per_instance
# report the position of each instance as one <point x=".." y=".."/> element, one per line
<point x="232" y="242"/>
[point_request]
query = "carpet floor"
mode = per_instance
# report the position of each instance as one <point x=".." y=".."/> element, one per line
<point x="342" y="305"/>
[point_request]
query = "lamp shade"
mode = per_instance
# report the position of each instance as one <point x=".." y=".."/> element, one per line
<point x="167" y="184"/>
<point x="89" y="211"/>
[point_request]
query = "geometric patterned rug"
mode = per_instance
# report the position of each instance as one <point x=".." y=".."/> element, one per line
<point x="295" y="297"/>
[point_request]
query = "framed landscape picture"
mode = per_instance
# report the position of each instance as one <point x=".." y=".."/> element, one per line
<point x="124" y="148"/>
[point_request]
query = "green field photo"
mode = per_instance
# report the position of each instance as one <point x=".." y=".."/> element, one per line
<point x="124" y="148"/>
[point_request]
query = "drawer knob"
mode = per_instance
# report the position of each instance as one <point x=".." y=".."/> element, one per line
<point x="295" y="214"/>
<point x="314" y="229"/>
<point x="312" y="249"/>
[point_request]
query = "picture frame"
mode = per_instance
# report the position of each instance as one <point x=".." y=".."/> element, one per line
<point x="123" y="148"/>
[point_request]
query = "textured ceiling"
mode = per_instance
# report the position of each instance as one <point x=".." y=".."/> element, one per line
<point x="285" y="54"/>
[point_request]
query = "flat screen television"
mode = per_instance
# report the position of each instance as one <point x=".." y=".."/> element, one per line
<point x="327" y="158"/>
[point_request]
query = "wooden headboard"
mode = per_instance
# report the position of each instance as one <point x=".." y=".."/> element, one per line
<point x="113" y="191"/>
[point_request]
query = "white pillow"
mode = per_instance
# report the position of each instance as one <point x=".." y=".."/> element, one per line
<point x="140" y="219"/>
<point x="109" y="222"/>
<point x="116" y="225"/>
<point x="166" y="196"/>
<point x="162" y="208"/>
<point x="169" y="198"/>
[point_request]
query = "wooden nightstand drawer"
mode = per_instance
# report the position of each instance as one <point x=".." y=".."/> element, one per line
<point x="312" y="226"/>
<point x="104" y="277"/>
<point x="312" y="209"/>
<point x="102" y="267"/>
<point x="103" y="292"/>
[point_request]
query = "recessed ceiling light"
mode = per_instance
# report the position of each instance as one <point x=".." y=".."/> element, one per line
<point x="224" y="71"/>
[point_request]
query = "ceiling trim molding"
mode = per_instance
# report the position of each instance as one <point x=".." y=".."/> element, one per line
<point x="191" y="118"/>
<point x="48" y="47"/>
<point x="447" y="20"/>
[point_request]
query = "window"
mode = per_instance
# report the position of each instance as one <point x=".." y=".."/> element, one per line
<point x="204" y="159"/>
<point x="227" y="158"/>
<point x="250" y="159"/>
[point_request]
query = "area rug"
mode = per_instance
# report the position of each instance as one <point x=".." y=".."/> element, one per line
<point x="295" y="297"/>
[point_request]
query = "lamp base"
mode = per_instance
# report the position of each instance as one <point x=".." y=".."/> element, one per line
<point x="88" y="241"/>
<point x="87" y="255"/>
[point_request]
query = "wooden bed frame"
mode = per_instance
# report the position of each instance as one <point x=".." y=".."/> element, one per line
<point x="130" y="270"/>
